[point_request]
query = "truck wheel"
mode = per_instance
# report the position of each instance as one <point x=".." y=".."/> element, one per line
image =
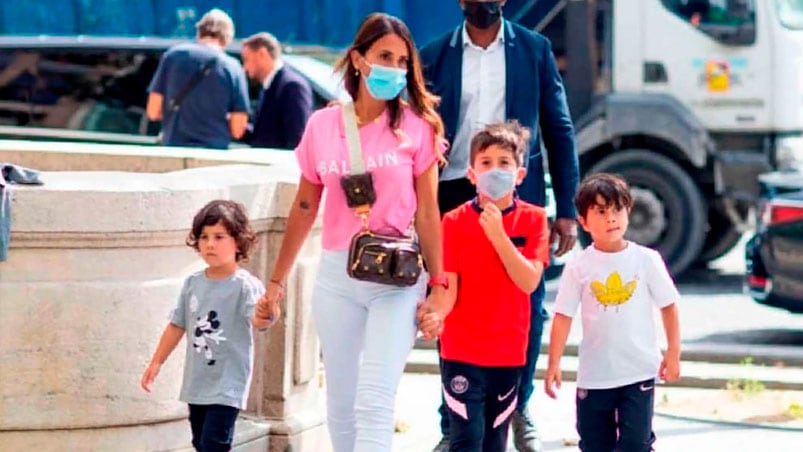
<point x="721" y="237"/>
<point x="669" y="212"/>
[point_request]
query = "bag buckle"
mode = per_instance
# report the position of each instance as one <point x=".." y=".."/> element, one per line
<point x="363" y="211"/>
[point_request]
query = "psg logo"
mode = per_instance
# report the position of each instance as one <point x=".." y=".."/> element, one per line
<point x="582" y="393"/>
<point x="459" y="384"/>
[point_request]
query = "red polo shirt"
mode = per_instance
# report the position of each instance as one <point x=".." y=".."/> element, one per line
<point x="490" y="322"/>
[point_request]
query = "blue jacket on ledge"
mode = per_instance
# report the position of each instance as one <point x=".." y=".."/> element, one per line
<point x="534" y="96"/>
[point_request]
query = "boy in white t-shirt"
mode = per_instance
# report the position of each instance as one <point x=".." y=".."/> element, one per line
<point x="617" y="284"/>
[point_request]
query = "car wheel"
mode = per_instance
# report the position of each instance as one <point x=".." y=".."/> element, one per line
<point x="669" y="212"/>
<point x="721" y="237"/>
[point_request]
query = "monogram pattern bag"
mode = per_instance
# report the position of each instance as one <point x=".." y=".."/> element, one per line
<point x="378" y="258"/>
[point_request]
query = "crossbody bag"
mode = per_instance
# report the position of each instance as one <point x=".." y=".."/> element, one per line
<point x="379" y="258"/>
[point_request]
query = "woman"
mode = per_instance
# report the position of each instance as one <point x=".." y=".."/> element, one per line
<point x="367" y="329"/>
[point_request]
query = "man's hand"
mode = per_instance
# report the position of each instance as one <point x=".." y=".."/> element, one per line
<point x="491" y="222"/>
<point x="565" y="230"/>
<point x="552" y="381"/>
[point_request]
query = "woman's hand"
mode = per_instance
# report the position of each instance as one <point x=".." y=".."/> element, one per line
<point x="429" y="322"/>
<point x="268" y="306"/>
<point x="430" y="317"/>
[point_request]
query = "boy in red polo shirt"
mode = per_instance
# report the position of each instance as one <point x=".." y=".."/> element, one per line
<point x="495" y="249"/>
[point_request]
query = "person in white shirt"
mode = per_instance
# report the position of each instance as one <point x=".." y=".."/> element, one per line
<point x="617" y="284"/>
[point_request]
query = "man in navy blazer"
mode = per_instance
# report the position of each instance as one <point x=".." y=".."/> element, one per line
<point x="285" y="100"/>
<point x="491" y="70"/>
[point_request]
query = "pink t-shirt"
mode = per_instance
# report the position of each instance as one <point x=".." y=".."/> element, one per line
<point x="394" y="163"/>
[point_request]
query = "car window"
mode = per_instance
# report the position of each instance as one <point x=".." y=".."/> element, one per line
<point x="97" y="89"/>
<point x="78" y="90"/>
<point x="324" y="83"/>
<point x="321" y="76"/>
<point x="703" y="13"/>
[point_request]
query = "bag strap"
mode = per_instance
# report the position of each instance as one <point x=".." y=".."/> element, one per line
<point x="357" y="162"/>
<point x="203" y="71"/>
<point x="355" y="155"/>
<point x="353" y="139"/>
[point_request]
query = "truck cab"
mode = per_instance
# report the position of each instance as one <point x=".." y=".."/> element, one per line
<point x="689" y="100"/>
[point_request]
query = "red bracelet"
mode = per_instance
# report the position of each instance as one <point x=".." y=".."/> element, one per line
<point x="438" y="281"/>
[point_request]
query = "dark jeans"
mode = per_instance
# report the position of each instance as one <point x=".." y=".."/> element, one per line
<point x="212" y="427"/>
<point x="526" y="385"/>
<point x="538" y="316"/>
<point x="616" y="419"/>
<point x="480" y="401"/>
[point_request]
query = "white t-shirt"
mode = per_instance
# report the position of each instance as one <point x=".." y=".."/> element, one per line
<point x="616" y="293"/>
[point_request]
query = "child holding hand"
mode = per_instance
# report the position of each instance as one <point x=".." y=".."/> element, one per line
<point x="216" y="313"/>
<point x="495" y="250"/>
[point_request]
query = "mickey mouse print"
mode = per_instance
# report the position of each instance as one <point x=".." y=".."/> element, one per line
<point x="207" y="330"/>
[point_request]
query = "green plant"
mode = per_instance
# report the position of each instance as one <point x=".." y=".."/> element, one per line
<point x="745" y="387"/>
<point x="794" y="410"/>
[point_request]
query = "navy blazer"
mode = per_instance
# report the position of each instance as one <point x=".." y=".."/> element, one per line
<point x="283" y="111"/>
<point x="534" y="95"/>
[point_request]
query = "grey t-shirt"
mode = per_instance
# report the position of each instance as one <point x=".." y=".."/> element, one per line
<point x="220" y="347"/>
<point x="202" y="117"/>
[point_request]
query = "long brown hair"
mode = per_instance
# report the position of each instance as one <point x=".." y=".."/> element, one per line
<point x="374" y="27"/>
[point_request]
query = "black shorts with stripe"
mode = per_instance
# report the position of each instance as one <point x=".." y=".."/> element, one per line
<point x="480" y="402"/>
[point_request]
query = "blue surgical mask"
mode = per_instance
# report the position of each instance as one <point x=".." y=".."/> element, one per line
<point x="385" y="83"/>
<point x="496" y="183"/>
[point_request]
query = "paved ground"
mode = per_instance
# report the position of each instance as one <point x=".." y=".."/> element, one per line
<point x="715" y="315"/>
<point x="418" y="398"/>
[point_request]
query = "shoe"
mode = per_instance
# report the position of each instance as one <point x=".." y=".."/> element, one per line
<point x="525" y="435"/>
<point x="443" y="445"/>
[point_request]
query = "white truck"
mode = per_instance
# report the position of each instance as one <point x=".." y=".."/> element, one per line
<point x="689" y="100"/>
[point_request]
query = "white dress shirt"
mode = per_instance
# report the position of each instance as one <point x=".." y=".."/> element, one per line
<point x="269" y="79"/>
<point x="265" y="85"/>
<point x="482" y="100"/>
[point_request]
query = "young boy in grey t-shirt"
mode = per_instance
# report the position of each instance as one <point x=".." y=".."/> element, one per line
<point x="216" y="311"/>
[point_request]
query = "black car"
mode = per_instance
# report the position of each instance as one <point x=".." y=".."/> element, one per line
<point x="93" y="89"/>
<point x="775" y="253"/>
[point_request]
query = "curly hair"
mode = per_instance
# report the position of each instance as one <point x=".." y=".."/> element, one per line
<point x="233" y="217"/>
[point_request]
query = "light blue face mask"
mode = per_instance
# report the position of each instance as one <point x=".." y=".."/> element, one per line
<point x="496" y="183"/>
<point x="385" y="83"/>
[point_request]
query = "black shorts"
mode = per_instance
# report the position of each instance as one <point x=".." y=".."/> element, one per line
<point x="480" y="401"/>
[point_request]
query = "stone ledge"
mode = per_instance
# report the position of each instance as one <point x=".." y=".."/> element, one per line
<point x="66" y="156"/>
<point x="126" y="202"/>
<point x="122" y="239"/>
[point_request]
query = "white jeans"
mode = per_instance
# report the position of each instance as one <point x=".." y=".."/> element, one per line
<point x="367" y="331"/>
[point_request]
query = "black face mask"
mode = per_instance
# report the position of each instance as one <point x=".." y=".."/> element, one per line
<point x="482" y="14"/>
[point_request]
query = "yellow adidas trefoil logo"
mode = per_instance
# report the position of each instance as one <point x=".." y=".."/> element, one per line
<point x="613" y="292"/>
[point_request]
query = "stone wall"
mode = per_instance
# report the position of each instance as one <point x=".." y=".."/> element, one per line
<point x="96" y="262"/>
